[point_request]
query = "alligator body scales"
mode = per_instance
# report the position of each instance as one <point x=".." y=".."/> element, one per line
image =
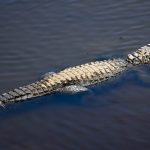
<point x="76" y="79"/>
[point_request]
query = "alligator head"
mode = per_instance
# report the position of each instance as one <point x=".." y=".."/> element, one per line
<point x="141" y="56"/>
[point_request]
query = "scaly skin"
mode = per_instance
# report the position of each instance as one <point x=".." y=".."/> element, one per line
<point x="82" y="75"/>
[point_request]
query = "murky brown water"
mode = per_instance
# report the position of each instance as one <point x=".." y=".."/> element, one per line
<point x="41" y="36"/>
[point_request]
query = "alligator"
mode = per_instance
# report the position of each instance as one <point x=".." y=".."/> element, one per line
<point x="77" y="79"/>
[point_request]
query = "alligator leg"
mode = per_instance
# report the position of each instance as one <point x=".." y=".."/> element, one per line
<point x="73" y="89"/>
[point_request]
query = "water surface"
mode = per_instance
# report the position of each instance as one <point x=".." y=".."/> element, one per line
<point x="41" y="36"/>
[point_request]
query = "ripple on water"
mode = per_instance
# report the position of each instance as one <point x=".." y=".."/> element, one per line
<point x="51" y="35"/>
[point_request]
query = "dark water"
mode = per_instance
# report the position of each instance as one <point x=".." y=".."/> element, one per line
<point x="41" y="36"/>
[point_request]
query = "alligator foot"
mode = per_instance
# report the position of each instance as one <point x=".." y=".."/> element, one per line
<point x="73" y="89"/>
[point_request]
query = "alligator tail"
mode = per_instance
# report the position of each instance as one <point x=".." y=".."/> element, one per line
<point x="23" y="93"/>
<point x="140" y="56"/>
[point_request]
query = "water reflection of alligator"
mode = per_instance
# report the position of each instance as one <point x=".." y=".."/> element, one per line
<point x="76" y="79"/>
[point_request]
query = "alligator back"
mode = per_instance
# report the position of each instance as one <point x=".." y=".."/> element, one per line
<point x="89" y="73"/>
<point x="77" y="77"/>
<point x="83" y="75"/>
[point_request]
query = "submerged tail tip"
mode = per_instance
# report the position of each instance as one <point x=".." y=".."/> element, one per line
<point x="140" y="56"/>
